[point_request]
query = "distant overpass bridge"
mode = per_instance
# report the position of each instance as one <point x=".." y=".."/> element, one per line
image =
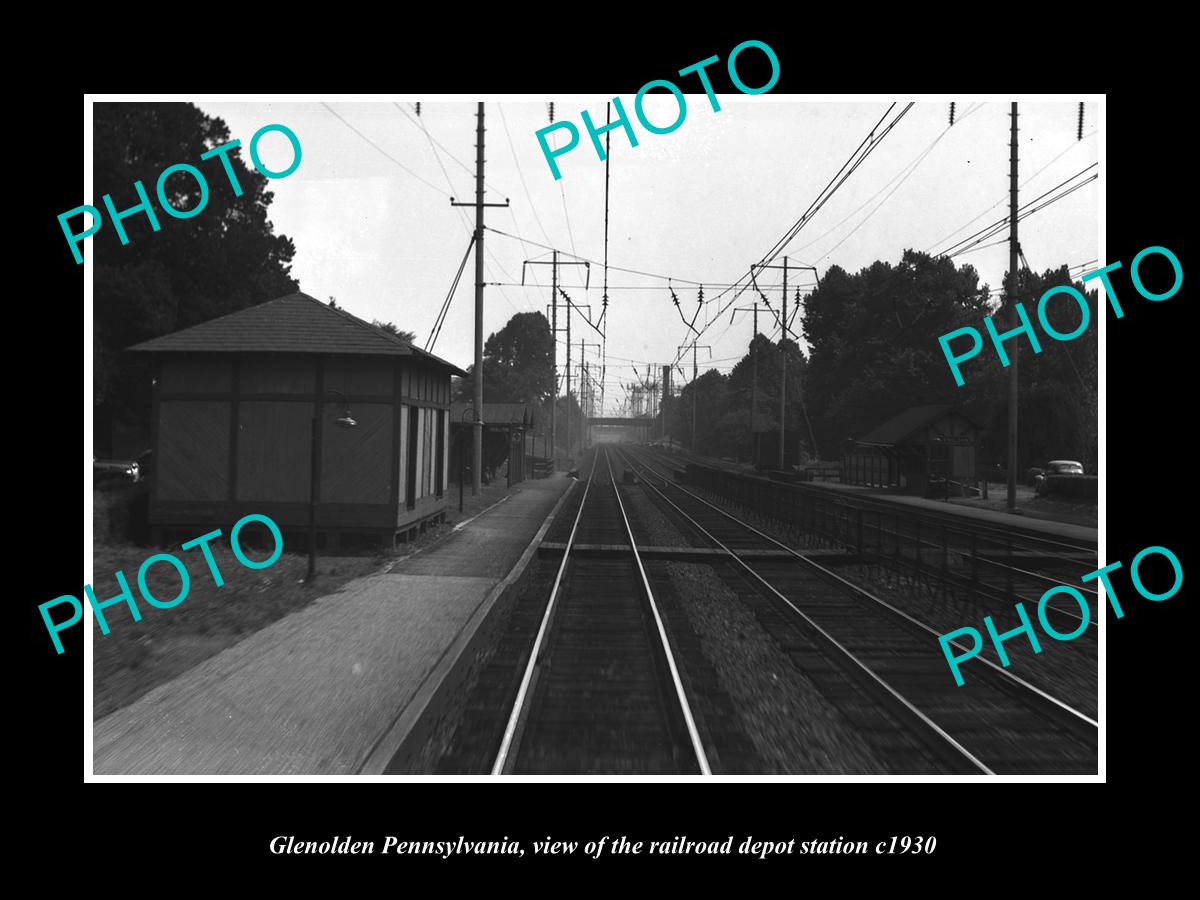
<point x="612" y="428"/>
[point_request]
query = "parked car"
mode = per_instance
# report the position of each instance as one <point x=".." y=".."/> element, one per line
<point x="1056" y="467"/>
<point x="115" y="470"/>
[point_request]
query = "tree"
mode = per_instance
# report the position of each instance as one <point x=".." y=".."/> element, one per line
<point x="873" y="341"/>
<point x="874" y="352"/>
<point x="518" y="363"/>
<point x="1057" y="406"/>
<point x="391" y="328"/>
<point x="709" y="394"/>
<point x="742" y="381"/>
<point x="223" y="259"/>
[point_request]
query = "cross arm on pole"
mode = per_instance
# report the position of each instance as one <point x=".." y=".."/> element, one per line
<point x="545" y="262"/>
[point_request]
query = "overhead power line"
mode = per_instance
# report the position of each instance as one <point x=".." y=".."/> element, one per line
<point x="384" y="152"/>
<point x="865" y="148"/>
<point x="596" y="261"/>
<point x="1024" y="212"/>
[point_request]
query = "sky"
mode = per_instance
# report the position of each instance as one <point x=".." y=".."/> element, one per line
<point x="370" y="215"/>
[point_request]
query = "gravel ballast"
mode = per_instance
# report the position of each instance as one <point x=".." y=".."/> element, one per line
<point x="793" y="727"/>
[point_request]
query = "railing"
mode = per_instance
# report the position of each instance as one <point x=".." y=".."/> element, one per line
<point x="922" y="551"/>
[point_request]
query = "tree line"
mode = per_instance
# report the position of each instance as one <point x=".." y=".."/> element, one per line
<point x="873" y="352"/>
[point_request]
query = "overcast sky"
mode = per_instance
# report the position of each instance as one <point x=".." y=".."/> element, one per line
<point x="700" y="205"/>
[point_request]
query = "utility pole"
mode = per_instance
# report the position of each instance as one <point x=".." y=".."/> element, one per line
<point x="571" y="304"/>
<point x="586" y="378"/>
<point x="554" y="264"/>
<point x="1014" y="250"/>
<point x="783" y="370"/>
<point x="554" y="336"/>
<point x="783" y="333"/>
<point x="477" y="459"/>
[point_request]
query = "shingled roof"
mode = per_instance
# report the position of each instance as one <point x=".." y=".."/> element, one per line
<point x="896" y="429"/>
<point x="296" y="323"/>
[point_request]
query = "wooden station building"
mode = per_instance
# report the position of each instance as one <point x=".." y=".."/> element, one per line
<point x="923" y="449"/>
<point x="505" y="426"/>
<point x="244" y="404"/>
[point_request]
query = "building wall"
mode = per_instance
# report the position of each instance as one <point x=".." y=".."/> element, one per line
<point x="233" y="435"/>
<point x="427" y="391"/>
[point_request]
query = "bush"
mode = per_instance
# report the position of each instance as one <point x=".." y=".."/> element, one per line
<point x="1071" y="487"/>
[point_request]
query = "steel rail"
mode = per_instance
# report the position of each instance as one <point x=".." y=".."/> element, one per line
<point x="861" y="592"/>
<point x="906" y="705"/>
<point x="505" y="757"/>
<point x="685" y="707"/>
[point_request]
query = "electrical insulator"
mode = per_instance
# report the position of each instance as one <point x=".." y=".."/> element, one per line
<point x="1079" y="134"/>
<point x="418" y="105"/>
<point x="951" y="113"/>
<point x="552" y="113"/>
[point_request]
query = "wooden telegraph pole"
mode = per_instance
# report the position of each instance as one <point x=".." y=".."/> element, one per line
<point x="1014" y="250"/>
<point x="477" y="457"/>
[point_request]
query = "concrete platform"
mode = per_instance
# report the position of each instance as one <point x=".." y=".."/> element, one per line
<point x="328" y="689"/>
<point x="1047" y="528"/>
<point x="1051" y="529"/>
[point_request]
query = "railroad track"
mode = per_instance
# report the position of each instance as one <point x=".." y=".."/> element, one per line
<point x="997" y="724"/>
<point x="1042" y="564"/>
<point x="1072" y="668"/>
<point x="600" y="691"/>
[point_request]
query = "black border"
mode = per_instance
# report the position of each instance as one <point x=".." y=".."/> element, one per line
<point x="1147" y="469"/>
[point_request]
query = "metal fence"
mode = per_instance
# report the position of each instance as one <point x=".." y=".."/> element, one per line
<point x="926" y="552"/>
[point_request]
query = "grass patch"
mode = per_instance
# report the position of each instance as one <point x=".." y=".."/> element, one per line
<point x="135" y="657"/>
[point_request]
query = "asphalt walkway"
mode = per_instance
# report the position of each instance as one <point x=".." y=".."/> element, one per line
<point x="317" y="691"/>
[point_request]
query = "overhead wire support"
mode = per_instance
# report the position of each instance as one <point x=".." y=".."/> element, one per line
<point x="784" y="331"/>
<point x="441" y="318"/>
<point x="871" y="142"/>
<point x="1023" y="213"/>
<point x="581" y="306"/>
<point x="554" y="263"/>
<point x="679" y="309"/>
<point x="596" y="261"/>
<point x="998" y="225"/>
